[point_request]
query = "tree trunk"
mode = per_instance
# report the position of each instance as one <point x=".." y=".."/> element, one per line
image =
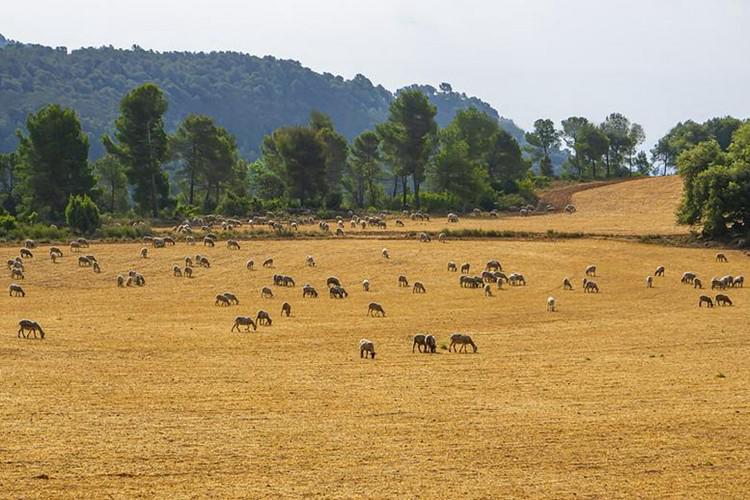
<point x="395" y="186"/>
<point x="154" y="199"/>
<point x="416" y="192"/>
<point x="112" y="204"/>
<point x="403" y="188"/>
<point x="606" y="158"/>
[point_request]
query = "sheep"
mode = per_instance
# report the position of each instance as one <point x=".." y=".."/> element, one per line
<point x="717" y="283"/>
<point x="75" y="246"/>
<point x="308" y="291"/>
<point x="266" y="293"/>
<point x="96" y="267"/>
<point x="590" y="287"/>
<point x="697" y="283"/>
<point x="567" y="285"/>
<point x="551" y="304"/>
<point x="465" y="268"/>
<point x="402" y="281"/>
<point x="208" y="242"/>
<point x="462" y="340"/>
<point x="727" y="281"/>
<point x="158" y="243"/>
<point x="26" y="253"/>
<point x="190" y="240"/>
<point x="84" y="261"/>
<point x="688" y="277"/>
<point x="243" y="321"/>
<point x="263" y="318"/>
<point x="720" y="257"/>
<point x="221" y="300"/>
<point x="591" y="270"/>
<point x="739" y="281"/>
<point x="516" y="279"/>
<point x="83" y="242"/>
<point x="233" y="245"/>
<point x="366" y="347"/>
<point x="332" y="281"/>
<point x="129" y="281"/>
<point x="188" y="272"/>
<point x="144" y="253"/>
<point x="705" y="299"/>
<point x="204" y="262"/>
<point x="487" y="290"/>
<point x="649" y="281"/>
<point x="659" y="271"/>
<point x="16" y="290"/>
<point x="169" y="241"/>
<point x="339" y="231"/>
<point x="232" y="298"/>
<point x="177" y="272"/>
<point x="337" y="292"/>
<point x="29" y="244"/>
<point x="385" y="253"/>
<point x="452" y="267"/>
<point x="55" y="251"/>
<point x="420" y="341"/>
<point x="442" y="238"/>
<point x="365" y="285"/>
<point x="373" y="308"/>
<point x="250" y="264"/>
<point x="286" y="309"/>
<point x="16" y="274"/>
<point x="493" y="265"/>
<point x="453" y="218"/>
<point x="120" y="280"/>
<point x="268" y="262"/>
<point x="188" y="262"/>
<point x="27" y="325"/>
<point x="424" y="238"/>
<point x="418" y="288"/>
<point x="430" y="343"/>
<point x="570" y="209"/>
<point x="310" y="261"/>
<point x="723" y="300"/>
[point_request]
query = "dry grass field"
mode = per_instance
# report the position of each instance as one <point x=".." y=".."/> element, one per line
<point x="145" y="392"/>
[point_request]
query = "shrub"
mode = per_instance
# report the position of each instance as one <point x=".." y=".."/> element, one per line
<point x="7" y="223"/>
<point x="82" y="214"/>
<point x="233" y="205"/>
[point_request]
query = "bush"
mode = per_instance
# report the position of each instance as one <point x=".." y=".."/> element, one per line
<point x="233" y="205"/>
<point x="124" y="231"/>
<point x="7" y="223"/>
<point x="82" y="214"/>
<point x="505" y="201"/>
<point x="438" y="202"/>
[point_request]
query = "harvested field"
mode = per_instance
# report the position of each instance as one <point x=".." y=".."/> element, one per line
<point x="145" y="392"/>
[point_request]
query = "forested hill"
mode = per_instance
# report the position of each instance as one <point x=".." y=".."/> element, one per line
<point x="250" y="96"/>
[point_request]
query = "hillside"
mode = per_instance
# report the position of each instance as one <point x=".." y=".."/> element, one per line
<point x="248" y="95"/>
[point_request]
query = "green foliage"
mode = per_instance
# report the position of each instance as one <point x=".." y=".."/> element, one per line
<point x="440" y="202"/>
<point x="82" y="214"/>
<point x="453" y="171"/>
<point x="235" y="206"/>
<point x="113" y="182"/>
<point x="53" y="162"/>
<point x="363" y="169"/>
<point x="8" y="223"/>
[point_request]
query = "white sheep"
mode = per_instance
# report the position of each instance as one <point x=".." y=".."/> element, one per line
<point x="366" y="347"/>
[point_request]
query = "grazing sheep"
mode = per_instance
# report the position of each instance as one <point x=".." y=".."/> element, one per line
<point x="16" y="290"/>
<point x="453" y="218"/>
<point x="424" y="238"/>
<point x="177" y="272"/>
<point x="221" y="300"/>
<point x="203" y="262"/>
<point x="308" y="291"/>
<point x="120" y="280"/>
<point x="26" y="253"/>
<point x="169" y="241"/>
<point x="208" y="242"/>
<point x="29" y="244"/>
<point x="591" y="271"/>
<point x="430" y="343"/>
<point x="697" y="283"/>
<point x="263" y="318"/>
<point x="420" y="342"/>
<point x="649" y="281"/>
<point x="659" y="271"/>
<point x="27" y="325"/>
<point x="705" y="299"/>
<point x="493" y="265"/>
<point x="717" y="283"/>
<point x="337" y="292"/>
<point x="373" y="308"/>
<point x="465" y="268"/>
<point x="332" y="281"/>
<point x="567" y="285"/>
<point x="418" y="288"/>
<point x="243" y="321"/>
<point x="570" y="209"/>
<point x="723" y="300"/>
<point x="97" y="268"/>
<point x="84" y="261"/>
<point x="55" y="251"/>
<point x="158" y="243"/>
<point x="365" y="285"/>
<point x="385" y="253"/>
<point x="402" y="281"/>
<point x="551" y="304"/>
<point x="452" y="267"/>
<point x="189" y="261"/>
<point x="738" y="281"/>
<point x="516" y="279"/>
<point x="250" y="264"/>
<point x="458" y="339"/>
<point x="75" y="246"/>
<point x="129" y="281"/>
<point x="16" y="274"/>
<point x="232" y="298"/>
<point x="688" y="277"/>
<point x="366" y="347"/>
<point x="310" y="261"/>
<point x="266" y="293"/>
<point x="590" y="287"/>
<point x="188" y="272"/>
<point x="83" y="242"/>
<point x="487" y="290"/>
<point x="268" y="262"/>
<point x="720" y="257"/>
<point x="442" y="238"/>
<point x="144" y="253"/>
<point x="233" y="245"/>
<point x="286" y="309"/>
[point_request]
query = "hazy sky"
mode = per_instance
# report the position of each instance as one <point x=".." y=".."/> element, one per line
<point x="656" y="61"/>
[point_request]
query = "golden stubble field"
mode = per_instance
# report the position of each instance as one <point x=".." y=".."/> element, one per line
<point x="145" y="392"/>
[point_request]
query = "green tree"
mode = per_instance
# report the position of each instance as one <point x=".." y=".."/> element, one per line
<point x="542" y="140"/>
<point x="302" y="159"/>
<point x="82" y="214"/>
<point x="113" y="182"/>
<point x="593" y="144"/>
<point x="571" y="127"/>
<point x="8" y="171"/>
<point x="53" y="161"/>
<point x="364" y="168"/>
<point x="142" y="145"/>
<point x="453" y="171"/>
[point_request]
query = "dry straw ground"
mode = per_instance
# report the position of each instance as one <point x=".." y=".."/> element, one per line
<point x="145" y="392"/>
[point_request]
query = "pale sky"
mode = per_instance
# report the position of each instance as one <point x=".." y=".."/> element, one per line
<point x="656" y="61"/>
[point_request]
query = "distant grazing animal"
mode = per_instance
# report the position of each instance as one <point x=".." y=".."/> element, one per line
<point x="659" y="271"/>
<point x="221" y="300"/>
<point x="29" y="244"/>
<point x="268" y="262"/>
<point x="208" y="242"/>
<point x="27" y="325"/>
<point x="402" y="281"/>
<point x="385" y="253"/>
<point x="144" y="253"/>
<point x="717" y="283"/>
<point x="250" y="264"/>
<point x="723" y="300"/>
<point x="120" y="280"/>
<point x="424" y="238"/>
<point x="551" y="304"/>
<point x="705" y="299"/>
<point x="232" y="298"/>
<point x="16" y="290"/>
<point x="169" y="241"/>
<point x="55" y="251"/>
<point x="16" y="274"/>
<point x="75" y="246"/>
<point x="310" y="261"/>
<point x="286" y="309"/>
<point x="203" y="262"/>
<point x="739" y="281"/>
<point x="84" y="261"/>
<point x="688" y="277"/>
<point x="590" y="287"/>
<point x="493" y="265"/>
<point x="452" y="267"/>
<point x="374" y="308"/>
<point x="308" y="291"/>
<point x="190" y="240"/>
<point x="263" y="318"/>
<point x="487" y="290"/>
<point x="430" y="343"/>
<point x="720" y="257"/>
<point x="365" y="285"/>
<point x="649" y="281"/>
<point x="129" y="281"/>
<point x="516" y="279"/>
<point x="266" y="293"/>
<point x="591" y="271"/>
<point x="243" y="321"/>
<point x="26" y="253"/>
<point x="420" y="342"/>
<point x="188" y="272"/>
<point x="418" y="288"/>
<point x="83" y="242"/>
<point x="567" y="285"/>
<point x="188" y="262"/>
<point x="337" y="292"/>
<point x="366" y="347"/>
<point x="442" y="238"/>
<point x="458" y="339"/>
<point x="570" y="209"/>
<point x="177" y="272"/>
<point x="465" y="268"/>
<point x="233" y="245"/>
<point x="158" y="243"/>
<point x="453" y="218"/>
<point x="697" y="283"/>
<point x="333" y="281"/>
<point x="97" y="268"/>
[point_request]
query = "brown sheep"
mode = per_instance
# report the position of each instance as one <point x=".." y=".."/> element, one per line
<point x="705" y="299"/>
<point x="723" y="300"/>
<point x="418" y="288"/>
<point x="266" y="293"/>
<point x="243" y="321"/>
<point x="27" y="325"/>
<point x="263" y="318"/>
<point x="402" y="281"/>
<point x="720" y="257"/>
<point x="373" y="308"/>
<point x="286" y="309"/>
